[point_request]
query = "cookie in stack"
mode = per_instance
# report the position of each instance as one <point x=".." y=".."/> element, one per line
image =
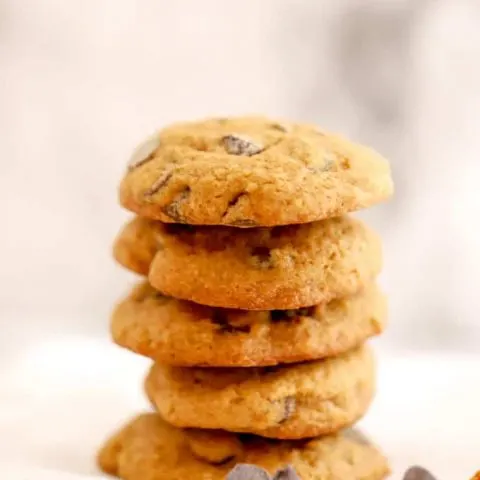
<point x="260" y="297"/>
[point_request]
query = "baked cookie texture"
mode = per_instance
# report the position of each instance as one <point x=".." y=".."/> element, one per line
<point x="261" y="268"/>
<point x="150" y="449"/>
<point x="137" y="243"/>
<point x="176" y="332"/>
<point x="287" y="402"/>
<point x="251" y="171"/>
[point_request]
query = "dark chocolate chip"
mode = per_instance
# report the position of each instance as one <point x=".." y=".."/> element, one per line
<point x="220" y="318"/>
<point x="286" y="473"/>
<point x="172" y="210"/>
<point x="159" y="183"/>
<point x="223" y="461"/>
<point x="418" y="473"/>
<point x="239" y="145"/>
<point x="262" y="258"/>
<point x="287" y="315"/>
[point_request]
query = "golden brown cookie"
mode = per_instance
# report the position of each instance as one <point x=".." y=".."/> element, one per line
<point x="137" y="243"/>
<point x="251" y="171"/>
<point x="149" y="449"/>
<point x="254" y="269"/>
<point x="181" y="333"/>
<point x="285" y="401"/>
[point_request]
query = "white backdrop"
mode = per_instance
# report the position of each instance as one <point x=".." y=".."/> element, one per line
<point x="82" y="81"/>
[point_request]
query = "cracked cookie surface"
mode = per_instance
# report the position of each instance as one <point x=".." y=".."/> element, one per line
<point x="260" y="268"/>
<point x="251" y="171"/>
<point x="176" y="332"/>
<point x="147" y="448"/>
<point x="284" y="401"/>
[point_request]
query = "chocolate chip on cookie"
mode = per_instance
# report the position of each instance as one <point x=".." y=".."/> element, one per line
<point x="289" y="406"/>
<point x="240" y="145"/>
<point x="160" y="182"/>
<point x="144" y="152"/>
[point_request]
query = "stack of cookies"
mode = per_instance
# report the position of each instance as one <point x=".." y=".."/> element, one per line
<point x="260" y="297"/>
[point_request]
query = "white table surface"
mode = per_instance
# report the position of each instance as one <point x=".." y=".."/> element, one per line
<point x="60" y="398"/>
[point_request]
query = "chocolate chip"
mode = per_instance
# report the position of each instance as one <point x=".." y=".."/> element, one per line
<point x="270" y="369"/>
<point x="286" y="473"/>
<point x="178" y="229"/>
<point x="290" y="405"/>
<point x="286" y="315"/>
<point x="159" y="183"/>
<point x="418" y="473"/>
<point x="144" y="152"/>
<point x="244" y="471"/>
<point x="280" y="127"/>
<point x="262" y="258"/>
<point x="172" y="210"/>
<point x="220" y="318"/>
<point x="239" y="145"/>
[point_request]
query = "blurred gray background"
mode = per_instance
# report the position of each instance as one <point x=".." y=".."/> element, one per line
<point x="82" y="82"/>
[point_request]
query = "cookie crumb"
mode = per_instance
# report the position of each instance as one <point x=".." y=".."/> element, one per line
<point x="240" y="145"/>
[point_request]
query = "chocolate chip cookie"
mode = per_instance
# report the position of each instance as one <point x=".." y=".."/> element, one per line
<point x="284" y="401"/>
<point x="251" y="171"/>
<point x="150" y="449"/>
<point x="260" y="268"/>
<point x="181" y="333"/>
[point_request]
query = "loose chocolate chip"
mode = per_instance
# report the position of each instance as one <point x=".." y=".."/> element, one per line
<point x="144" y="152"/>
<point x="161" y="181"/>
<point x="418" y="473"/>
<point x="172" y="210"/>
<point x="286" y="473"/>
<point x="290" y="404"/>
<point x="262" y="258"/>
<point x="244" y="471"/>
<point x="239" y="145"/>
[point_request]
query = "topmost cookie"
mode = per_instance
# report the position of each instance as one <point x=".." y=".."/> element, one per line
<point x="251" y="171"/>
